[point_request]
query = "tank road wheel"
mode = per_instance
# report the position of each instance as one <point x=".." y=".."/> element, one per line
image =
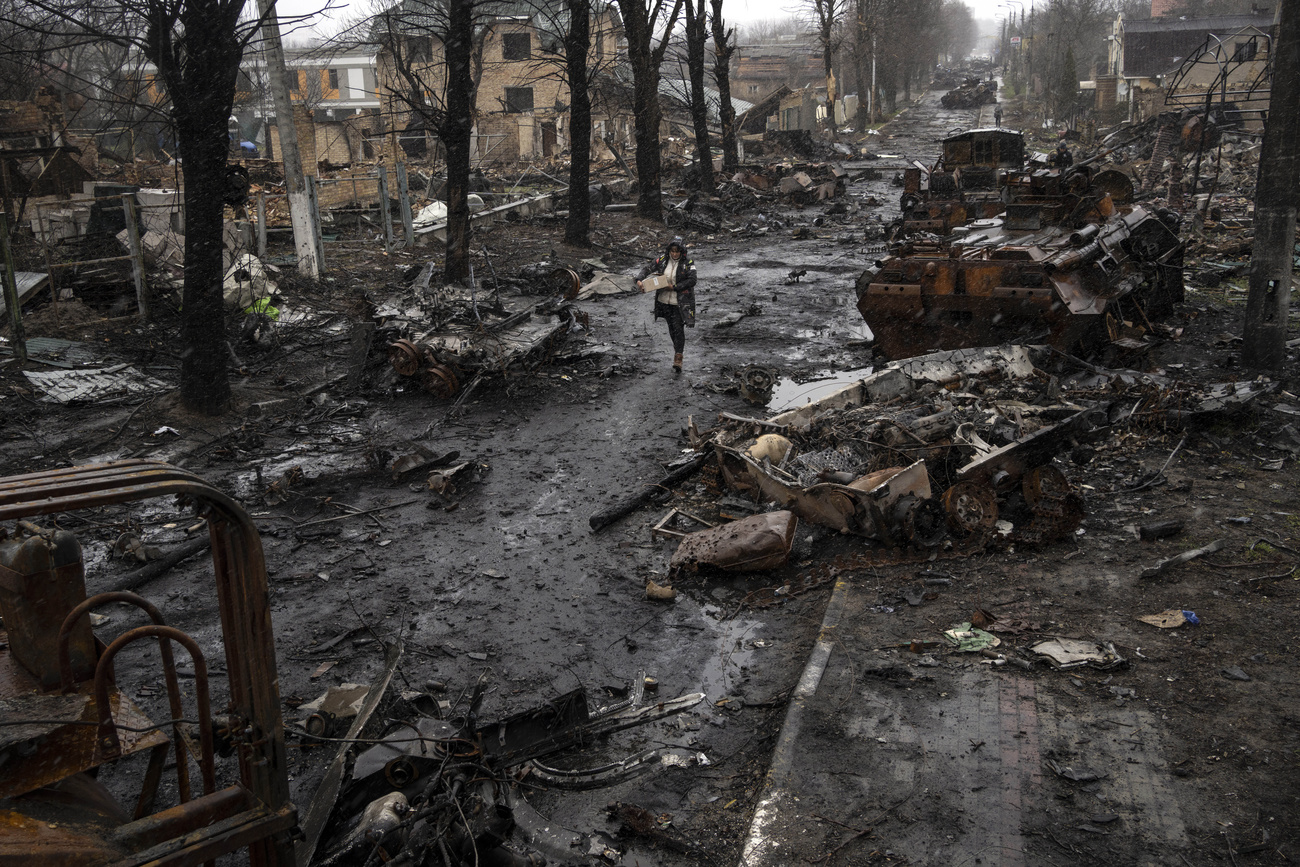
<point x="1043" y="485"/>
<point x="405" y="357"/>
<point x="440" y="381"/>
<point x="565" y="281"/>
<point x="924" y="524"/>
<point x="971" y="508"/>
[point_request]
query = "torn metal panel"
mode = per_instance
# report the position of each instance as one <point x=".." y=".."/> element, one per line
<point x="28" y="284"/>
<point x="100" y="385"/>
<point x="1006" y="465"/>
<point x="1012" y="361"/>
<point x="878" y="505"/>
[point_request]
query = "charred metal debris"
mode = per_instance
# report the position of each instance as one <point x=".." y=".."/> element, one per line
<point x="415" y="779"/>
<point x="446" y="339"/>
<point x="943" y="455"/>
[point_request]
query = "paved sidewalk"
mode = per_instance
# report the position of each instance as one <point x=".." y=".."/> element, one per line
<point x="943" y="758"/>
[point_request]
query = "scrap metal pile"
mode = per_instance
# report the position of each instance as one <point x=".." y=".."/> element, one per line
<point x="446" y="339"/>
<point x="945" y="454"/>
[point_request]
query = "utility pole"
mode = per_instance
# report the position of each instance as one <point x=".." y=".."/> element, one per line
<point x="1277" y="191"/>
<point x="305" y="233"/>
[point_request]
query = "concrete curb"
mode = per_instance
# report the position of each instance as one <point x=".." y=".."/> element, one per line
<point x="761" y="849"/>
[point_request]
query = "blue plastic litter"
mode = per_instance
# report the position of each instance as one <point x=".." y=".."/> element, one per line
<point x="1191" y="617"/>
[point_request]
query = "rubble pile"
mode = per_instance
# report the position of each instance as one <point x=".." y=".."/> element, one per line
<point x="445" y="337"/>
<point x="955" y="451"/>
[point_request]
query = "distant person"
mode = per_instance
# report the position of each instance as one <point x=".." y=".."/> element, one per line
<point x="997" y="115"/>
<point x="1061" y="158"/>
<point x="675" y="302"/>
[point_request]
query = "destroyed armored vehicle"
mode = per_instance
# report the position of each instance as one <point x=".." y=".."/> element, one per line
<point x="965" y="184"/>
<point x="448" y="339"/>
<point x="991" y="285"/>
<point x="972" y="94"/>
<point x="983" y="173"/>
<point x="836" y="462"/>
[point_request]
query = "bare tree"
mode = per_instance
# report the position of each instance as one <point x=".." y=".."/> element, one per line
<point x="696" y="35"/>
<point x="826" y="21"/>
<point x="769" y="29"/>
<point x="640" y="19"/>
<point x="577" y="44"/>
<point x="1268" y="304"/>
<point x="196" y="47"/>
<point x="724" y="45"/>
<point x="435" y="51"/>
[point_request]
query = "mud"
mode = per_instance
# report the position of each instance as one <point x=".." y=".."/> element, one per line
<point x="503" y="575"/>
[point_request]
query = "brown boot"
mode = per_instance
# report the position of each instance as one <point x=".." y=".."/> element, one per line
<point x="677" y="363"/>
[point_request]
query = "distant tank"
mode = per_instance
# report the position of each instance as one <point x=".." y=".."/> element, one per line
<point x="972" y="93"/>
<point x="988" y="284"/>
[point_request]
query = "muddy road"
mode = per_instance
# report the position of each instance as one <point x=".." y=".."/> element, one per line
<point x="500" y="577"/>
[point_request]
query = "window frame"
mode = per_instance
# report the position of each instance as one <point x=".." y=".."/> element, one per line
<point x="516" y="46"/>
<point x="510" y="98"/>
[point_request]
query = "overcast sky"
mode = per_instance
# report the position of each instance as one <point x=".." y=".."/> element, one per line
<point x="736" y="11"/>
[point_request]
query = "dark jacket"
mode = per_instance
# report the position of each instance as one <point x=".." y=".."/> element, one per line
<point x="684" y="283"/>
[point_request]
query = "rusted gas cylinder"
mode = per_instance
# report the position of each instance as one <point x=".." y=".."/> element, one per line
<point x="41" y="580"/>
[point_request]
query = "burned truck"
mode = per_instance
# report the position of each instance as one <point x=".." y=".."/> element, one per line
<point x="990" y="285"/>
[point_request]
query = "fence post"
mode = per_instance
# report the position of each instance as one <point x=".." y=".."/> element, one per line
<point x="261" y="225"/>
<point x="404" y="201"/>
<point x="314" y="204"/>
<point x="137" y="255"/>
<point x="383" y="204"/>
<point x="11" y="295"/>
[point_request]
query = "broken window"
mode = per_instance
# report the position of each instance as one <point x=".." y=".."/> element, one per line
<point x="517" y="46"/>
<point x="1245" y="51"/>
<point x="519" y="99"/>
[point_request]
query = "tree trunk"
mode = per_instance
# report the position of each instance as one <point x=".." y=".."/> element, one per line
<point x="205" y="385"/>
<point x="723" y="48"/>
<point x="1276" y="192"/>
<point x="455" y="134"/>
<point x="645" y="105"/>
<point x="202" y="91"/>
<point x="645" y="60"/>
<point x="696" y="33"/>
<point x="576" y="44"/>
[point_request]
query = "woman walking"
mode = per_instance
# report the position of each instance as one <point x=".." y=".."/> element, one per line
<point x="675" y="298"/>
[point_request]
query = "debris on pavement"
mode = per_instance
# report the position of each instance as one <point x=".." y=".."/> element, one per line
<point x="1164" y="565"/>
<point x="750" y="544"/>
<point x="1170" y="619"/>
<point x="1067" y="653"/>
<point x="965" y="638"/>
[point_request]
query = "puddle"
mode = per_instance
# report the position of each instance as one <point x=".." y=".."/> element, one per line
<point x="789" y="394"/>
<point x="732" y="653"/>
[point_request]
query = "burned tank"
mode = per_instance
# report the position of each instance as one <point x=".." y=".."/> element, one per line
<point x="988" y="285"/>
<point x="973" y="92"/>
<point x="985" y="173"/>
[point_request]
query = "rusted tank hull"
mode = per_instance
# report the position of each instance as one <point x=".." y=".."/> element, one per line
<point x="1055" y="287"/>
<point x="909" y="324"/>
